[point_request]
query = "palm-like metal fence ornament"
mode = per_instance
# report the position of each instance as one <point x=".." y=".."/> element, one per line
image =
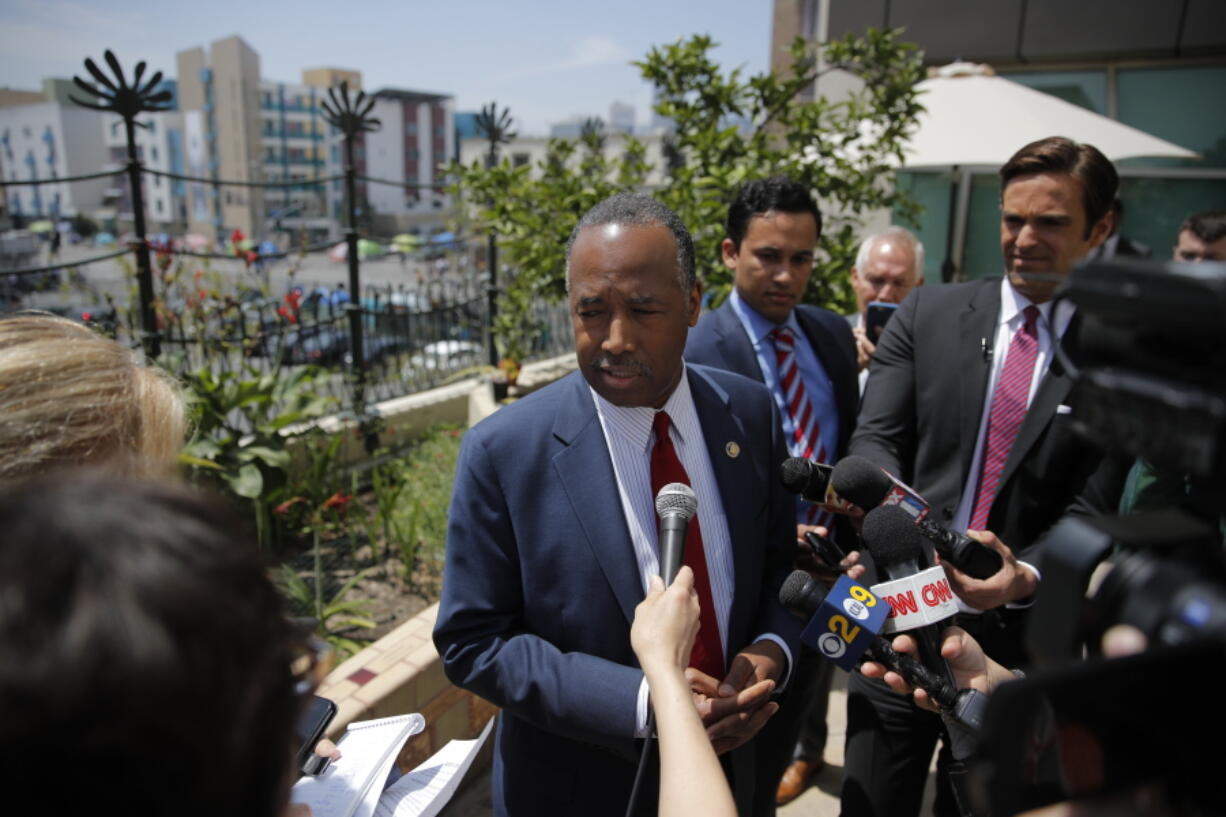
<point x="495" y="126"/>
<point x="351" y="116"/>
<point x="114" y="94"/>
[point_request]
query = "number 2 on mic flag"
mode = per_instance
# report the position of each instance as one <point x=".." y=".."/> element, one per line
<point x="846" y="622"/>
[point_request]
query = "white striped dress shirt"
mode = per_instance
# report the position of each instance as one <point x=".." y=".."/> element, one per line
<point x="630" y="439"/>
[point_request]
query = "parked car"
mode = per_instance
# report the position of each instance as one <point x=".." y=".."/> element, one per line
<point x="447" y="355"/>
<point x="329" y="346"/>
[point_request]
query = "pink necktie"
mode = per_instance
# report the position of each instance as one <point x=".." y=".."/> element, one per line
<point x="806" y="433"/>
<point x="1009" y="402"/>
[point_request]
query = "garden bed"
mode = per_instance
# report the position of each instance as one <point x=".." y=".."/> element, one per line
<point x="380" y="547"/>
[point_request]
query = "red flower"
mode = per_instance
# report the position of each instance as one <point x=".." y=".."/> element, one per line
<point x="337" y="502"/>
<point x="283" y="508"/>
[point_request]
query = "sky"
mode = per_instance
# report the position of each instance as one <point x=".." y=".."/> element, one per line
<point x="546" y="60"/>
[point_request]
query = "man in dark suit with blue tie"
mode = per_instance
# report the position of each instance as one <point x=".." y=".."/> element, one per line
<point x="807" y="357"/>
<point x="552" y="534"/>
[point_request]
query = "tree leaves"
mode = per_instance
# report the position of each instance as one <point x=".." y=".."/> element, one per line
<point x="726" y="129"/>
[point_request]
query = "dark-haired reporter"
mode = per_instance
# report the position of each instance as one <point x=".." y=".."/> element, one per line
<point x="146" y="665"/>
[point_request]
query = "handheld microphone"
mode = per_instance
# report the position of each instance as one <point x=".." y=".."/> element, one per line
<point x="866" y="485"/>
<point x="811" y="481"/>
<point x="973" y="558"/>
<point x="676" y="504"/>
<point x="803" y="595"/>
<point x="806" y="478"/>
<point x="896" y="546"/>
<point x="862" y="483"/>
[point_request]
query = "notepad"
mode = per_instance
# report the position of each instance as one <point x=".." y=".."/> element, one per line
<point x="351" y="786"/>
<point x="424" y="791"/>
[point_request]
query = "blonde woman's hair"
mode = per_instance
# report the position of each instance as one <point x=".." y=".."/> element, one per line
<point x="71" y="397"/>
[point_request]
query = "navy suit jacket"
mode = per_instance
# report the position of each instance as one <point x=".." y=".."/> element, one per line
<point x="720" y="340"/>
<point x="541" y="583"/>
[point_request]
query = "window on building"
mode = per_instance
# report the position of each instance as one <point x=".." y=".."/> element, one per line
<point x="1087" y="89"/>
<point x="410" y="129"/>
<point x="519" y="159"/>
<point x="153" y="153"/>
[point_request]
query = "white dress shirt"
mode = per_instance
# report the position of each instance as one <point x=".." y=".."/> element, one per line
<point x="1010" y="320"/>
<point x="630" y="439"/>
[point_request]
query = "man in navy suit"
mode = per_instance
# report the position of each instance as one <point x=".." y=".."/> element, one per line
<point x="773" y="227"/>
<point x="552" y="533"/>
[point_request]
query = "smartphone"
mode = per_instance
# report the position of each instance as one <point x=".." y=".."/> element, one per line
<point x="309" y="729"/>
<point x="876" y="315"/>
<point x="824" y="549"/>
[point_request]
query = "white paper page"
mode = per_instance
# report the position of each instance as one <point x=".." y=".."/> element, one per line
<point x="424" y="791"/>
<point x="351" y="786"/>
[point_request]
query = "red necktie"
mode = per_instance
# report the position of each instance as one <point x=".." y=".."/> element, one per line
<point x="1009" y="402"/>
<point x="806" y="439"/>
<point x="708" y="653"/>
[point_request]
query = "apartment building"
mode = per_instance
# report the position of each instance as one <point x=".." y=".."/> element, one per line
<point x="414" y="144"/>
<point x="46" y="140"/>
<point x="219" y="95"/>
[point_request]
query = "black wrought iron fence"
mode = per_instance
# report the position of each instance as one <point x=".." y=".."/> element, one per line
<point x="415" y="338"/>
<point x="389" y="342"/>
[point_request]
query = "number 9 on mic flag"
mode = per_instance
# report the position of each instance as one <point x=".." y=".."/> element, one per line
<point x="845" y="623"/>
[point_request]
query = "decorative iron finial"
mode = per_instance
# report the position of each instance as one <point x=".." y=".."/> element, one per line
<point x="116" y="95"/>
<point x="351" y="117"/>
<point x="495" y="125"/>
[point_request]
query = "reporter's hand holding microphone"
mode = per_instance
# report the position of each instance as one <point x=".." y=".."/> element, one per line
<point x="662" y="635"/>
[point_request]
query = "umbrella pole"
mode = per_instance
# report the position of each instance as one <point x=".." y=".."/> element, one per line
<point x="948" y="268"/>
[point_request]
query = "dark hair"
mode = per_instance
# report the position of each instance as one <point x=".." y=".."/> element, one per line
<point x="143" y="653"/>
<point x="761" y="196"/>
<point x="1085" y="163"/>
<point x="636" y="209"/>
<point x="1208" y="226"/>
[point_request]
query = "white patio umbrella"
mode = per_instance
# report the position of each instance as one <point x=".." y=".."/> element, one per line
<point x="977" y="120"/>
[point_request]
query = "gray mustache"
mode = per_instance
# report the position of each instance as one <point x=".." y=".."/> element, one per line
<point x="604" y="361"/>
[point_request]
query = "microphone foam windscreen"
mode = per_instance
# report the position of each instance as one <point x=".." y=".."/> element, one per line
<point x="797" y="593"/>
<point x="794" y="474"/>
<point x="860" y="482"/>
<point x="891" y="536"/>
<point x="678" y="498"/>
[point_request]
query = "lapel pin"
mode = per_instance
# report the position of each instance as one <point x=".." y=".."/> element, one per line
<point x="733" y="450"/>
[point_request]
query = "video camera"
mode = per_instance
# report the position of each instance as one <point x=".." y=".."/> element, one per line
<point x="1150" y="386"/>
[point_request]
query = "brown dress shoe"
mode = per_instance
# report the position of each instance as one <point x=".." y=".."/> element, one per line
<point x="796" y="779"/>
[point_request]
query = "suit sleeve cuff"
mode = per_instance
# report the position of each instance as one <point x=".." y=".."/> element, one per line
<point x="640" y="710"/>
<point x="1022" y="604"/>
<point x="787" y="653"/>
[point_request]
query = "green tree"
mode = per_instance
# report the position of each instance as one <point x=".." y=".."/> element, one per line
<point x="533" y="215"/>
<point x="726" y="129"/>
